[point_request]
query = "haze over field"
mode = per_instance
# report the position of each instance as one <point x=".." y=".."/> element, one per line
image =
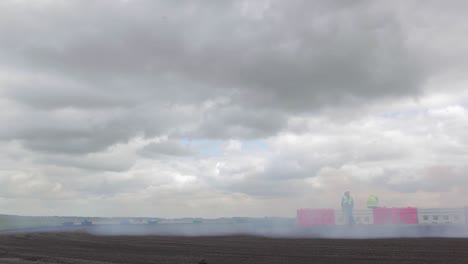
<point x="231" y="108"/>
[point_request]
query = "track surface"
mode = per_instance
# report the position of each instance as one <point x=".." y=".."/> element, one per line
<point x="80" y="247"/>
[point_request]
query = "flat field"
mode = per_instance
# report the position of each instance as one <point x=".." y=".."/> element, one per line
<point x="82" y="247"/>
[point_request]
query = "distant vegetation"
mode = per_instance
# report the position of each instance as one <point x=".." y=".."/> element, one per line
<point x="12" y="222"/>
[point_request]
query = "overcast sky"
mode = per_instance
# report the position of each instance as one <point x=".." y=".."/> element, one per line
<point x="231" y="108"/>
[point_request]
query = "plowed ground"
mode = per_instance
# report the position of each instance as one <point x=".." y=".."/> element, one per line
<point x="80" y="247"/>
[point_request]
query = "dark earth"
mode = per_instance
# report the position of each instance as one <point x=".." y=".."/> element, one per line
<point x="82" y="247"/>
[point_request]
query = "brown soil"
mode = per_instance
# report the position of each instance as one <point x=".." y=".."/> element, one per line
<point x="83" y="248"/>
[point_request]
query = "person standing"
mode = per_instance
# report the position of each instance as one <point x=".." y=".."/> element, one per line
<point x="372" y="202"/>
<point x="347" y="204"/>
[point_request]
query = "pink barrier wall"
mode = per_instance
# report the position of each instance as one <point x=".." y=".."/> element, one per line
<point x="382" y="215"/>
<point x="315" y="217"/>
<point x="404" y="216"/>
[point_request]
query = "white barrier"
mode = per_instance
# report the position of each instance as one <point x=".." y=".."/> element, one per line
<point x="361" y="217"/>
<point x="441" y="216"/>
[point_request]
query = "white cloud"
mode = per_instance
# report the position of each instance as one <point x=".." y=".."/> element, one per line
<point x="233" y="146"/>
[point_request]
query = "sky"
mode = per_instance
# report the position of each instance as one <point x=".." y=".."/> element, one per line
<point x="231" y="108"/>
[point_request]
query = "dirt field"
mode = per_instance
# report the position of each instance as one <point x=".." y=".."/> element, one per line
<point x="85" y="248"/>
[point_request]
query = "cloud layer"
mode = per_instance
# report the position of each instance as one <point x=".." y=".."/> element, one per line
<point x="230" y="108"/>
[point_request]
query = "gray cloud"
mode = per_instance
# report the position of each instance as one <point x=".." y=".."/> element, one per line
<point x="284" y="57"/>
<point x="237" y="122"/>
<point x="435" y="178"/>
<point x="165" y="148"/>
<point x="99" y="162"/>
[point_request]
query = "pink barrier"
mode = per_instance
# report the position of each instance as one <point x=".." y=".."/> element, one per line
<point x="404" y="216"/>
<point x="315" y="217"/>
<point x="408" y="216"/>
<point x="382" y="215"/>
